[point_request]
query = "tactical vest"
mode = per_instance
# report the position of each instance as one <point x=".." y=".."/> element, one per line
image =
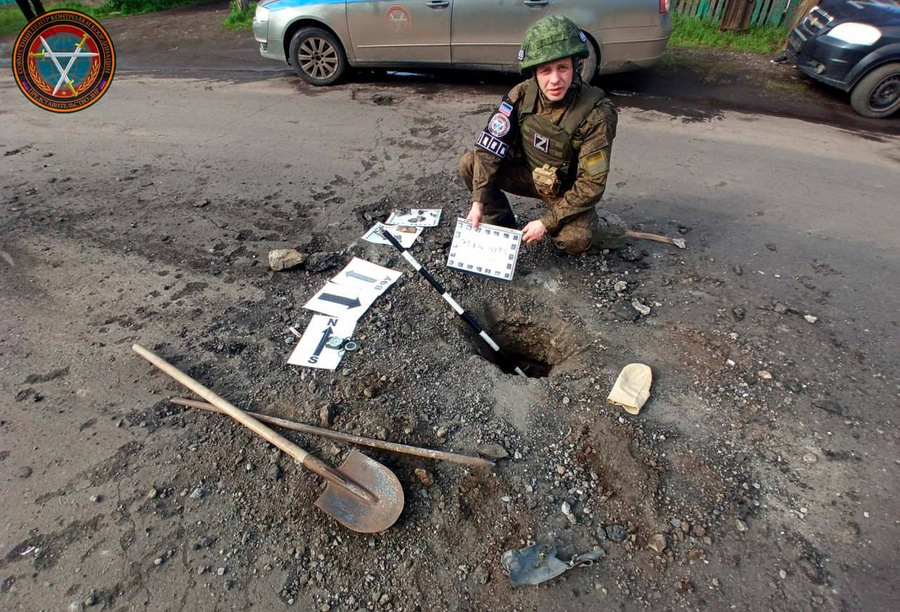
<point x="544" y="142"/>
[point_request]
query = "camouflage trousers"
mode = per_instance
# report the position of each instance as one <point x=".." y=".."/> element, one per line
<point x="585" y="232"/>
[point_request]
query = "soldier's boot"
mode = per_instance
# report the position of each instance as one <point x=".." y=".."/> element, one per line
<point x="591" y="232"/>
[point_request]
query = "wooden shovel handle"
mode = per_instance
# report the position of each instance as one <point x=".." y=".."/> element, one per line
<point x="228" y="408"/>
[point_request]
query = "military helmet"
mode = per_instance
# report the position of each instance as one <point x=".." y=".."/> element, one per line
<point x="550" y="39"/>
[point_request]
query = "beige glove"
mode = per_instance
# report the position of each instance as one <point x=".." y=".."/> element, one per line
<point x="632" y="388"/>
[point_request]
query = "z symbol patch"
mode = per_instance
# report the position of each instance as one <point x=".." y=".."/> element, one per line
<point x="541" y="143"/>
<point x="499" y="125"/>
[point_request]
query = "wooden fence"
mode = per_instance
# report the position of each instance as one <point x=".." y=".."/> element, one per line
<point x="773" y="12"/>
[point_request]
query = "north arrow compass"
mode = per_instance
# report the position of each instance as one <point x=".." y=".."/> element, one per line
<point x="64" y="61"/>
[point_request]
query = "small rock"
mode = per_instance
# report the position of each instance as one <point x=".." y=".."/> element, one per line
<point x="384" y="600"/>
<point x="159" y="561"/>
<point x="320" y="262"/>
<point x="794" y="386"/>
<point x="764" y="375"/>
<point x="441" y="431"/>
<point x="493" y="451"/>
<point x="738" y="313"/>
<point x="229" y="584"/>
<point x="326" y="415"/>
<point x="197" y="493"/>
<point x="601" y="534"/>
<point x="810" y="458"/>
<point x="616" y="533"/>
<point x="152" y="493"/>
<point x="698" y="530"/>
<point x="76" y="606"/>
<point x="641" y="307"/>
<point x="249" y="466"/>
<point x="630" y="253"/>
<point x="96" y="498"/>
<point x="24" y="472"/>
<point x="772" y="247"/>
<point x="91" y="600"/>
<point x="620" y="286"/>
<point x="780" y="308"/>
<point x="657" y="543"/>
<point x="424" y="477"/>
<point x="810" y="319"/>
<point x="566" y="400"/>
<point x="201" y="203"/>
<point x="738" y="270"/>
<point x="274" y="472"/>
<point x="481" y="575"/>
<point x="810" y="570"/>
<point x="370" y="392"/>
<point x="567" y="511"/>
<point x="782" y="574"/>
<point x="283" y="259"/>
<point x="560" y="469"/>
<point x="221" y="571"/>
<point x="740" y="525"/>
<point x="626" y="311"/>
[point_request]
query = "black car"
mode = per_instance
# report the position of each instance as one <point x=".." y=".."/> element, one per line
<point x="853" y="45"/>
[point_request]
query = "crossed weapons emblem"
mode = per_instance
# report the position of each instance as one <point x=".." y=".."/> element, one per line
<point x="55" y="56"/>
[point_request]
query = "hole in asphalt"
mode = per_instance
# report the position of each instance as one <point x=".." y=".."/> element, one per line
<point x="536" y="348"/>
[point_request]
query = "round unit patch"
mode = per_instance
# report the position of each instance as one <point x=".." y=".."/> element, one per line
<point x="499" y="125"/>
<point x="64" y="61"/>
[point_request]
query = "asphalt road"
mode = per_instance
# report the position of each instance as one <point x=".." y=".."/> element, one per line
<point x="807" y="210"/>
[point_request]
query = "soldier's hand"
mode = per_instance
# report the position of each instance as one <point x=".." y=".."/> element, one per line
<point x="534" y="232"/>
<point x="474" y="216"/>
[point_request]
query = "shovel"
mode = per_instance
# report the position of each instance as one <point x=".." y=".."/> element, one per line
<point x="362" y="494"/>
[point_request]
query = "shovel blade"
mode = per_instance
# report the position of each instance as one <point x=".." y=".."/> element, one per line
<point x="355" y="513"/>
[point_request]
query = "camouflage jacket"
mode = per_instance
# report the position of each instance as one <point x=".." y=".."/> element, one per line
<point x="596" y="135"/>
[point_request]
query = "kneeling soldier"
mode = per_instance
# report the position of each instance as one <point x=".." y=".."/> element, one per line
<point x="550" y="139"/>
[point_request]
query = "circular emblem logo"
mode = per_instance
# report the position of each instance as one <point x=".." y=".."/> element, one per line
<point x="499" y="125"/>
<point x="398" y="18"/>
<point x="64" y="61"/>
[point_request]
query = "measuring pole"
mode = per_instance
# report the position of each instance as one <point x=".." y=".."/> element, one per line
<point x="453" y="303"/>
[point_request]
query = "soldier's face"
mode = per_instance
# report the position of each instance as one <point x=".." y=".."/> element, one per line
<point x="555" y="77"/>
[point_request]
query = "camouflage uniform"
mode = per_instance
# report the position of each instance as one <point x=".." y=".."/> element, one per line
<point x="571" y="220"/>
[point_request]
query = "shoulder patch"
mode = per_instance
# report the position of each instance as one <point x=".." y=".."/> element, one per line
<point x="521" y="55"/>
<point x="499" y="125"/>
<point x="492" y="145"/>
<point x="506" y="108"/>
<point x="582" y="37"/>
<point x="597" y="165"/>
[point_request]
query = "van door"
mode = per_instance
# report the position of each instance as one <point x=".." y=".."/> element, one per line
<point x="414" y="31"/>
<point x="492" y="32"/>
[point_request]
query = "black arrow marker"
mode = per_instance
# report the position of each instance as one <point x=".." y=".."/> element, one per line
<point x="325" y="336"/>
<point x="362" y="277"/>
<point x="340" y="299"/>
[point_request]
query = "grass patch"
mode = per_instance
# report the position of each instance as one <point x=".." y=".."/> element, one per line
<point x="12" y="21"/>
<point x="239" y="19"/>
<point x="695" y="33"/>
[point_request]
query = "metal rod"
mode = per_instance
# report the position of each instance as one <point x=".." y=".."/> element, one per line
<point x="468" y="318"/>
<point x="345" y="437"/>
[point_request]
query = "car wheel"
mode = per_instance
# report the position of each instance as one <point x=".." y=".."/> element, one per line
<point x="878" y="93"/>
<point x="589" y="64"/>
<point x="317" y="56"/>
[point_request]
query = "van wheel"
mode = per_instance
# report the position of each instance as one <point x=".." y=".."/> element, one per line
<point x="317" y="56"/>
<point x="878" y="93"/>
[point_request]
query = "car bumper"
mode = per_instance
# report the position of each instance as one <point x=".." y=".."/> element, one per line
<point x="825" y="59"/>
<point x="269" y="48"/>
